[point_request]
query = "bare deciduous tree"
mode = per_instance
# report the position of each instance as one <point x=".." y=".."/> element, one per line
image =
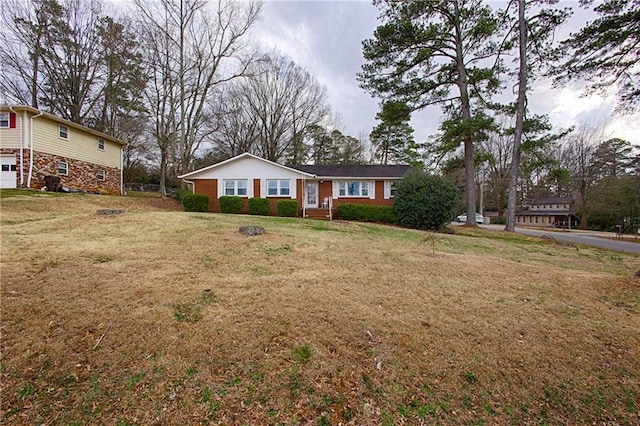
<point x="193" y="48"/>
<point x="577" y="156"/>
<point x="286" y="100"/>
<point x="25" y="27"/>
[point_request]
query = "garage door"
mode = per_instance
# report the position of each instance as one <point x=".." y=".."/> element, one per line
<point x="8" y="176"/>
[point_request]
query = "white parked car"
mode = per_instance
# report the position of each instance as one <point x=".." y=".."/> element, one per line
<point x="463" y="218"/>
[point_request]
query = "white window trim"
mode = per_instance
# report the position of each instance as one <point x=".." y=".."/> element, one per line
<point x="279" y="188"/>
<point x="104" y="144"/>
<point x="235" y="187"/>
<point x="8" y="121"/>
<point x="370" y="188"/>
<point x="60" y="126"/>
<point x="104" y="175"/>
<point x="66" y="166"/>
<point x="387" y="188"/>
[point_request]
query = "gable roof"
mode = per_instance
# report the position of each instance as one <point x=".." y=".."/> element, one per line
<point x="238" y="158"/>
<point x="354" y="170"/>
<point x="35" y="111"/>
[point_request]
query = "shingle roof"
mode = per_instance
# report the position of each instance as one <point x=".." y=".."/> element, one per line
<point x="354" y="170"/>
<point x="550" y="200"/>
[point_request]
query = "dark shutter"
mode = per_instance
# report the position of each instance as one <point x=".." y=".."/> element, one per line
<point x="12" y="120"/>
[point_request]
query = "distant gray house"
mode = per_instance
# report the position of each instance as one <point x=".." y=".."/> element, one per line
<point x="548" y="212"/>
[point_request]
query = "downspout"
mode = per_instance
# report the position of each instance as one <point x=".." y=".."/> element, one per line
<point x="303" y="198"/>
<point x="31" y="149"/>
<point x="122" y="191"/>
<point x="23" y="142"/>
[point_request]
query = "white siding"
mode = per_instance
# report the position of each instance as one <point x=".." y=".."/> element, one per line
<point x="250" y="168"/>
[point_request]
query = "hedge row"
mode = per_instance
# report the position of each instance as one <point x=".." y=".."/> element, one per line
<point x="367" y="213"/>
<point x="259" y="206"/>
<point x="195" y="202"/>
<point x="231" y="204"/>
<point x="287" y="208"/>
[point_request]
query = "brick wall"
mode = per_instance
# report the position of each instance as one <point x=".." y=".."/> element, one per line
<point x="81" y="174"/>
<point x="208" y="187"/>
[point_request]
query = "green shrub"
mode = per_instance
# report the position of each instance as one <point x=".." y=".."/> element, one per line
<point x="367" y="213"/>
<point x="259" y="206"/>
<point x="180" y="193"/>
<point x="195" y="202"/>
<point x="424" y="201"/>
<point x="287" y="208"/>
<point x="500" y="220"/>
<point x="231" y="204"/>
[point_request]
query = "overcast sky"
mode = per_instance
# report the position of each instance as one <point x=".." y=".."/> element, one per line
<point x="325" y="37"/>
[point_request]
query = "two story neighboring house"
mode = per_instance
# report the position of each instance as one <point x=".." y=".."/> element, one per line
<point x="548" y="212"/>
<point x="318" y="189"/>
<point x="36" y="144"/>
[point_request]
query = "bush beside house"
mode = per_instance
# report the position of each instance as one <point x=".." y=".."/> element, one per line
<point x="287" y="208"/>
<point x="425" y="201"/>
<point x="231" y="204"/>
<point x="195" y="202"/>
<point x="367" y="213"/>
<point x="259" y="206"/>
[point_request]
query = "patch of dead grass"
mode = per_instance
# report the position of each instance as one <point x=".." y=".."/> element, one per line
<point x="486" y="330"/>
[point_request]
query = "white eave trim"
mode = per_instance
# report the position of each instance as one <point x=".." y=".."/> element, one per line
<point x="358" y="178"/>
<point x="238" y="157"/>
<point x="64" y="122"/>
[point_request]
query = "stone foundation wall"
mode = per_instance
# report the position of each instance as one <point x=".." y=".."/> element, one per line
<point x="81" y="174"/>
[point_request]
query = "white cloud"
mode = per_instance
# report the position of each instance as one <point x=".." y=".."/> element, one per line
<point x="325" y="37"/>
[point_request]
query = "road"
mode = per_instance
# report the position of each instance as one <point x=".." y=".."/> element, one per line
<point x="589" y="238"/>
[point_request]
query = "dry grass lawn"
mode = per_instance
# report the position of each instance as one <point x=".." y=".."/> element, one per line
<point x="158" y="316"/>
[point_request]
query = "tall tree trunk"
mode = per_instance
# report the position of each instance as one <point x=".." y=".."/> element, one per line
<point x="517" y="136"/>
<point x="164" y="161"/>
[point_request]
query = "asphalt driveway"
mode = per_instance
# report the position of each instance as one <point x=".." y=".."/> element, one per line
<point x="589" y="238"/>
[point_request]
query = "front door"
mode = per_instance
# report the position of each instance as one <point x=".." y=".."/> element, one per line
<point x="311" y="195"/>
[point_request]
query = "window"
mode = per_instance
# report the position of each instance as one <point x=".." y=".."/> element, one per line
<point x="277" y="188"/>
<point x="4" y="119"/>
<point x="392" y="188"/>
<point x="101" y="175"/>
<point x="235" y="187"/>
<point x="63" y="131"/>
<point x="353" y="189"/>
<point x="101" y="144"/>
<point x="63" y="169"/>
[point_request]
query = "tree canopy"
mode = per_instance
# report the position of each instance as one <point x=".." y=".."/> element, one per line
<point x="606" y="52"/>
<point x="432" y="52"/>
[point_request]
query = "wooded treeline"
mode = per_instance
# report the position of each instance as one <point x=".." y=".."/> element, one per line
<point x="185" y="85"/>
<point x="181" y="81"/>
<point x="478" y="63"/>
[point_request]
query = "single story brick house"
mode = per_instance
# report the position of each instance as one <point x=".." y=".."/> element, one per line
<point x="36" y="144"/>
<point x="319" y="189"/>
<point x="548" y="212"/>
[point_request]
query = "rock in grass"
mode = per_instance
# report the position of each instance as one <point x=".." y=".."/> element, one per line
<point x="252" y="230"/>
<point x="108" y="212"/>
<point x="638" y="274"/>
